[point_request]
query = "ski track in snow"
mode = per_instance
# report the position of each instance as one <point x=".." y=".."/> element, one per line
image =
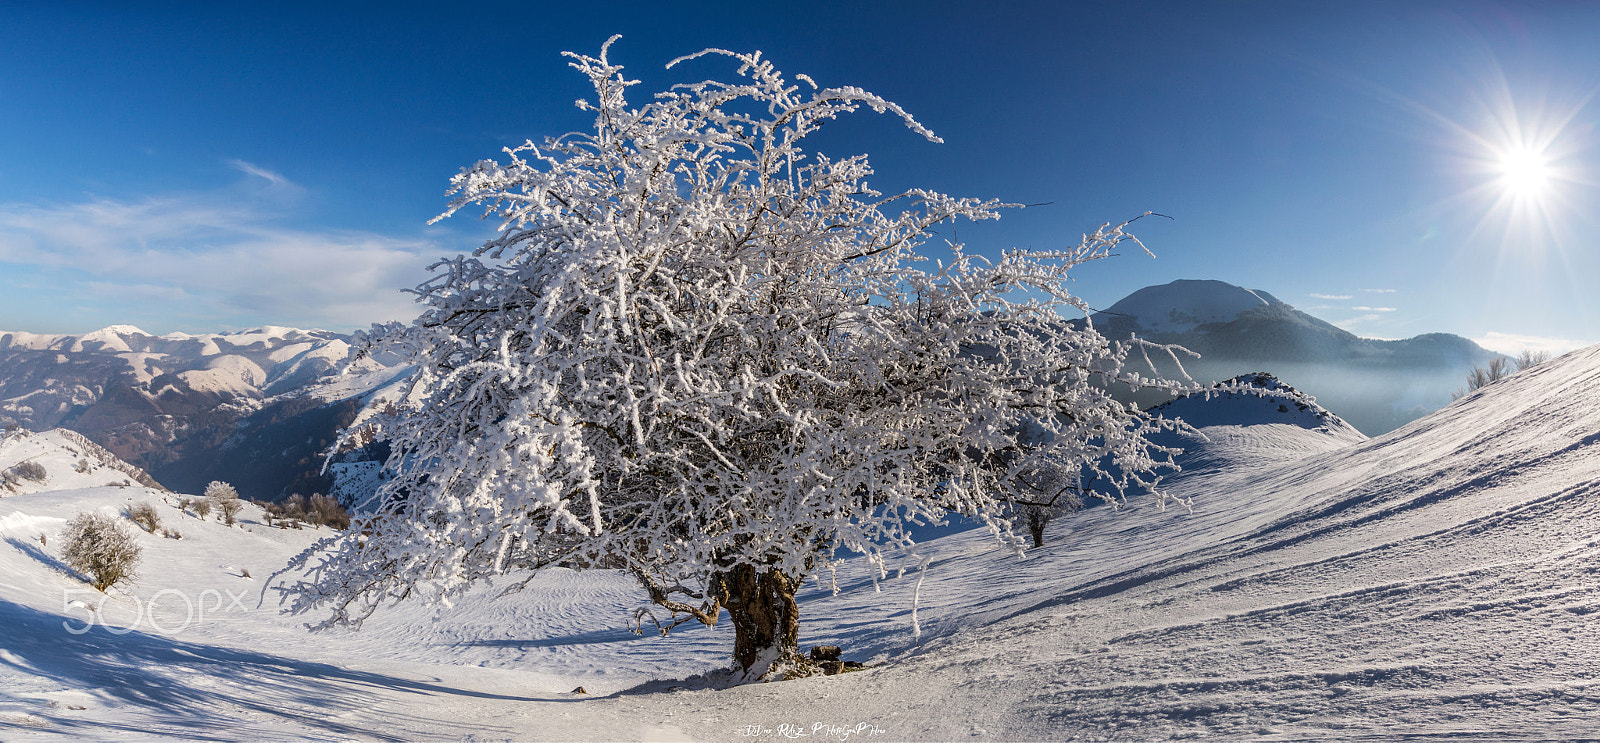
<point x="1437" y="582"/>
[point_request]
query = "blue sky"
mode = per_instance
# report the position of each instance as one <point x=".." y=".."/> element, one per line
<point x="1396" y="168"/>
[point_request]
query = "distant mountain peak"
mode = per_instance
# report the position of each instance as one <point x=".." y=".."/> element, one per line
<point x="1375" y="385"/>
<point x="1185" y="304"/>
<point x="179" y="405"/>
<point x="116" y="330"/>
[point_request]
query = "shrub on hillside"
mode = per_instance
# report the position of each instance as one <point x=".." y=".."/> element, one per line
<point x="30" y="470"/>
<point x="229" y="508"/>
<point x="1530" y="358"/>
<point x="144" y="515"/>
<point x="1499" y="368"/>
<point x="325" y="510"/>
<point x="294" y="510"/>
<point x="202" y="507"/>
<point x="318" y="510"/>
<point x="101" y="548"/>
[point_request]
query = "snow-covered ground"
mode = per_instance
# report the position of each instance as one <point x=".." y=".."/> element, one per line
<point x="1438" y="581"/>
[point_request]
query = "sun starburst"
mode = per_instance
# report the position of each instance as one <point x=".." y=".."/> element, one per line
<point x="1525" y="173"/>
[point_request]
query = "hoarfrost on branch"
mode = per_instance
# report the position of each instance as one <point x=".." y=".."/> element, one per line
<point x="701" y="353"/>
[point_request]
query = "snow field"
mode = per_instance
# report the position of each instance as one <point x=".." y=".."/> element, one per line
<point x="1439" y="581"/>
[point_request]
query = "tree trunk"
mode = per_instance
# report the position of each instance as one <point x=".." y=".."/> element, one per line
<point x="766" y="619"/>
<point x="1037" y="520"/>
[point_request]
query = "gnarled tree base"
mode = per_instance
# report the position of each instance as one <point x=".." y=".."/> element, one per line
<point x="766" y="622"/>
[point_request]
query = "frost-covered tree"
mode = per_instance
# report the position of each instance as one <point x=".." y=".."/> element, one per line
<point x="226" y="499"/>
<point x="1057" y="490"/>
<point x="219" y="490"/>
<point x="1479" y="377"/>
<point x="701" y="353"/>
<point x="102" y="548"/>
<point x="1530" y="358"/>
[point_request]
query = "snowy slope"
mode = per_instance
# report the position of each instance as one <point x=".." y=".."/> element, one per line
<point x="192" y="649"/>
<point x="1252" y="417"/>
<point x="1437" y="581"/>
<point x="67" y="460"/>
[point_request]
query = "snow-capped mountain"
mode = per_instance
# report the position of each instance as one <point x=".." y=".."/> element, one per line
<point x="255" y="407"/>
<point x="1376" y="385"/>
<point x="1184" y="305"/>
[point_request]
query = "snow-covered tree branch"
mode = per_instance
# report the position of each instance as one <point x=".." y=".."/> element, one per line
<point x="699" y="352"/>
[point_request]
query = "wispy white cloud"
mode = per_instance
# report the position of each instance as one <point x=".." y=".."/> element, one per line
<point x="139" y="292"/>
<point x="1514" y="343"/>
<point x="276" y="179"/>
<point x="217" y="256"/>
<point x="1359" y="308"/>
<point x="1356" y="322"/>
<point x="1330" y="296"/>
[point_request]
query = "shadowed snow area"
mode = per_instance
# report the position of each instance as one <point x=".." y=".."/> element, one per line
<point x="1438" y="581"/>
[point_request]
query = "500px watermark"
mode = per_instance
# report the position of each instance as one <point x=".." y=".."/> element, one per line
<point x="169" y="601"/>
<point x="826" y="730"/>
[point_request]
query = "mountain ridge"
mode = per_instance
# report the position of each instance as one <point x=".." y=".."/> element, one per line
<point x="1376" y="385"/>
<point x="256" y="407"/>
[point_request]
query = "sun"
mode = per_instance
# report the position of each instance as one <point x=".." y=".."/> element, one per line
<point x="1524" y="173"/>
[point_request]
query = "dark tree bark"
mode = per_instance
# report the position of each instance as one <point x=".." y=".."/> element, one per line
<point x="1038" y="518"/>
<point x="764" y="613"/>
<point x="761" y="603"/>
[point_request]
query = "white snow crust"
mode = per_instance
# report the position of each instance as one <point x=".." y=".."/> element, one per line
<point x="69" y="461"/>
<point x="1434" y="582"/>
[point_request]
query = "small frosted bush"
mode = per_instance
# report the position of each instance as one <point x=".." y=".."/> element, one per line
<point x="229" y="508"/>
<point x="225" y="498"/>
<point x="144" y="515"/>
<point x="324" y="510"/>
<point x="30" y="471"/>
<point x="102" y="548"/>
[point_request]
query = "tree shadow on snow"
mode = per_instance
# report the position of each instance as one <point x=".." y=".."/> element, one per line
<point x="201" y="691"/>
<point x="596" y="637"/>
<point x="48" y="560"/>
